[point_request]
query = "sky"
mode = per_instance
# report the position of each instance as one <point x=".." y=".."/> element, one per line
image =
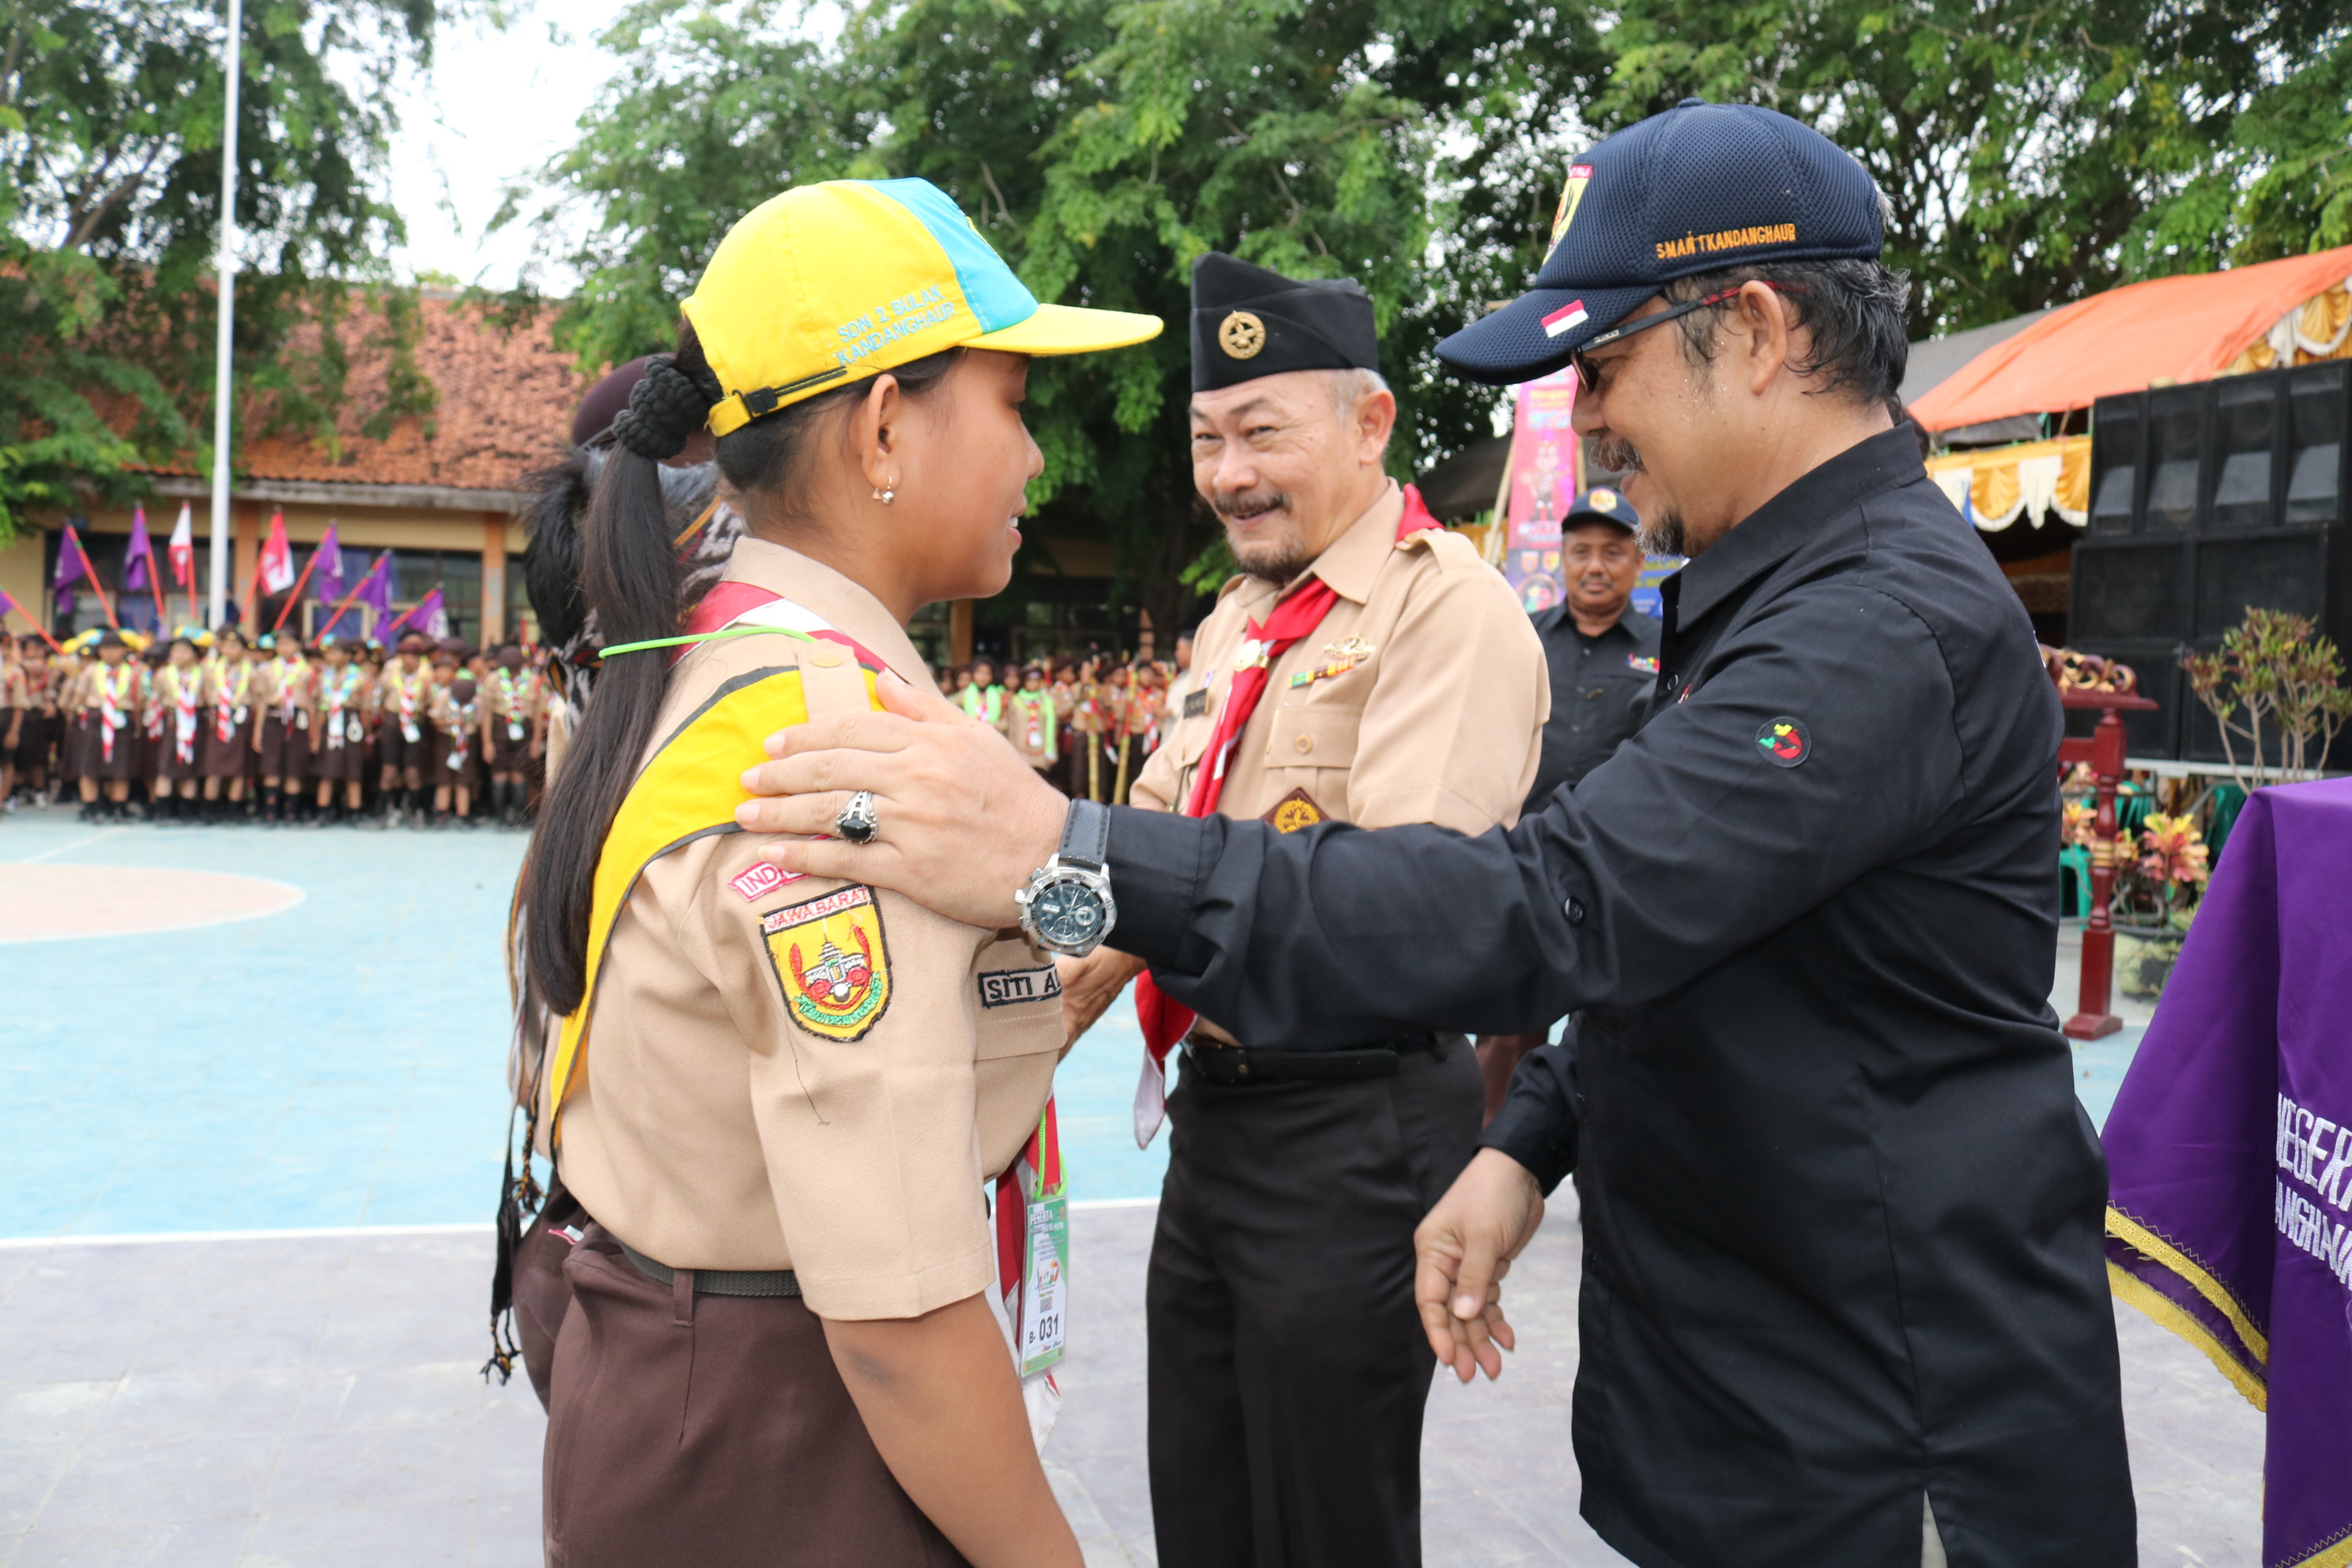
<point x="495" y="106"/>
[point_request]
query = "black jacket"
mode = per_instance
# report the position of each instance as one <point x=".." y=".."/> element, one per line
<point x="1600" y="694"/>
<point x="1841" y="1208"/>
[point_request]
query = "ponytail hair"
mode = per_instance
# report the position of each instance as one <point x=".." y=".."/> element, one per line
<point x="633" y="579"/>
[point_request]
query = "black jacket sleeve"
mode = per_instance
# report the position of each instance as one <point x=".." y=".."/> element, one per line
<point x="1691" y="844"/>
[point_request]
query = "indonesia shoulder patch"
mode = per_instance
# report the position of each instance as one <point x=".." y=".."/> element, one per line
<point x="1785" y="742"/>
<point x="832" y="961"/>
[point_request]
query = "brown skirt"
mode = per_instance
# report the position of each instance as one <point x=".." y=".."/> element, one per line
<point x="466" y="774"/>
<point x="508" y="755"/>
<point x="398" y="749"/>
<point x="712" y="1429"/>
<point x="96" y="762"/>
<point x="229" y="759"/>
<point x="37" y="740"/>
<point x="169" y="763"/>
<point x="285" y="748"/>
<point x="346" y="764"/>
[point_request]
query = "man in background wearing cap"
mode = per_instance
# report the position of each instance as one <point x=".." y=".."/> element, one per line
<point x="1604" y="660"/>
<point x="1366" y="667"/>
<point x="1844" y="1297"/>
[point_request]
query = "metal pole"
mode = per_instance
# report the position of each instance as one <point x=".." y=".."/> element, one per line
<point x="231" y="69"/>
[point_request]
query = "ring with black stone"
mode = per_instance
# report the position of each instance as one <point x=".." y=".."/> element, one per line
<point x="857" y="822"/>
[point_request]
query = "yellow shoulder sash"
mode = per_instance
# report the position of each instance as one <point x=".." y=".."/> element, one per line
<point x="689" y="791"/>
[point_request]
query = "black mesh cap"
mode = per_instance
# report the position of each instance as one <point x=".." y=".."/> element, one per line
<point x="1699" y="188"/>
<point x="1249" y="321"/>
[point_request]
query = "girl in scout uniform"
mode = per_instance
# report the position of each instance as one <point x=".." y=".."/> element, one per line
<point x="110" y="699"/>
<point x="229" y="725"/>
<point x="285" y="729"/>
<point x="1031" y="723"/>
<point x="404" y="731"/>
<point x="777" y="1101"/>
<point x="510" y="712"/>
<point x="339" y="701"/>
<point x="179" y="752"/>
<point x="457" y="713"/>
<point x="16" y="697"/>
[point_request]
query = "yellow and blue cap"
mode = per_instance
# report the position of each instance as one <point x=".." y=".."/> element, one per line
<point x="830" y="282"/>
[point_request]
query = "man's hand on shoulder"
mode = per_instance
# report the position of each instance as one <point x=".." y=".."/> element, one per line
<point x="963" y="819"/>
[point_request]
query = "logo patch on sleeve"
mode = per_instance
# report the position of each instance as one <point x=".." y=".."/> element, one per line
<point x="1293" y="811"/>
<point x="832" y="961"/>
<point x="1785" y="742"/>
<point x="757" y="881"/>
<point x="1010" y="987"/>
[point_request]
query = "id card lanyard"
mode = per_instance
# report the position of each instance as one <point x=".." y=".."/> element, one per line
<point x="1033" y="1216"/>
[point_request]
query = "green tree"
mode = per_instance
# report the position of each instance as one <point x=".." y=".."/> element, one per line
<point x="1101" y="147"/>
<point x="111" y="118"/>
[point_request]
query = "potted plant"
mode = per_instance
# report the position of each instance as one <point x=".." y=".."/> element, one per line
<point x="2273" y="670"/>
<point x="2155" y="900"/>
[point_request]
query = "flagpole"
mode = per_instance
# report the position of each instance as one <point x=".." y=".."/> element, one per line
<point x="231" y="70"/>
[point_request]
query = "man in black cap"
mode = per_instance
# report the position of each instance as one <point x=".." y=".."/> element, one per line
<point x="1603" y="656"/>
<point x="1366" y="667"/>
<point x="1844" y="1297"/>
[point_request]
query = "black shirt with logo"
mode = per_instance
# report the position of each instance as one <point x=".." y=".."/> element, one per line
<point x="1600" y="691"/>
<point x="1842" y="1209"/>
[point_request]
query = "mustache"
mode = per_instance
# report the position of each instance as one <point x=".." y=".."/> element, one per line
<point x="1617" y="455"/>
<point x="1231" y="503"/>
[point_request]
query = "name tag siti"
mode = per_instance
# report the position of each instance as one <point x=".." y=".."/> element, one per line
<point x="1010" y="987"/>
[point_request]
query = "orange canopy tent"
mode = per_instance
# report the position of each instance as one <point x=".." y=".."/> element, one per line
<point x="2168" y="329"/>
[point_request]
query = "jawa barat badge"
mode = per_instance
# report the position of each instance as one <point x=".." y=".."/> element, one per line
<point x="832" y="962"/>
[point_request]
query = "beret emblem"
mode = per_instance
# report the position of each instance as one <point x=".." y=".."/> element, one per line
<point x="1241" y="335"/>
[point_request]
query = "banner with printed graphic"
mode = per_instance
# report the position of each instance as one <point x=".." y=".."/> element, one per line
<point x="1543" y="486"/>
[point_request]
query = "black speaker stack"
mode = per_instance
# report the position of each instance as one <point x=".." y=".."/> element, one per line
<point x="2208" y="499"/>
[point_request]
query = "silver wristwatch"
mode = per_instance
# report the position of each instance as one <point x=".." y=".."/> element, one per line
<point x="1067" y="907"/>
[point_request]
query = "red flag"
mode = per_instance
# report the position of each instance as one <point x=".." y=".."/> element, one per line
<point x="277" y="557"/>
<point x="184" y="552"/>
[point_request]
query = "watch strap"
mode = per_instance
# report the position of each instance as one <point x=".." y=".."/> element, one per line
<point x="1085" y="836"/>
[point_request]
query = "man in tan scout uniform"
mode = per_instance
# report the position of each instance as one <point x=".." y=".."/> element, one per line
<point x="1367" y="668"/>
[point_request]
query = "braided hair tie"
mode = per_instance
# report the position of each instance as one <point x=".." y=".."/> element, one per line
<point x="666" y="408"/>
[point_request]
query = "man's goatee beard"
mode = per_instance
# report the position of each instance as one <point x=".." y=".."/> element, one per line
<point x="1660" y="536"/>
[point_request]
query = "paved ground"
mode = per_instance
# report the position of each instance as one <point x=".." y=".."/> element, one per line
<point x="301" y="1029"/>
<point x="315" y="1402"/>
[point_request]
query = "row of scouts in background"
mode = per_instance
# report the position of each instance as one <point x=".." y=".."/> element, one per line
<point x="206" y="727"/>
<point x="1122" y="709"/>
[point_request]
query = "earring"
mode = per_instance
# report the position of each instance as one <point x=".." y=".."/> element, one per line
<point x="888" y="493"/>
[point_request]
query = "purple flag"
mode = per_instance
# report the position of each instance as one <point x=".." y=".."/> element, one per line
<point x="327" y="569"/>
<point x="430" y="616"/>
<point x="72" y="567"/>
<point x="375" y="593"/>
<point x="2230" y="1153"/>
<point x="139" y="559"/>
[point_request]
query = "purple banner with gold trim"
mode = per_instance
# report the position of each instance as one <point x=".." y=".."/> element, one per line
<point x="2230" y="1155"/>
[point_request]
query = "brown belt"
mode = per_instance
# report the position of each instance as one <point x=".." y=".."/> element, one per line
<point x="718" y="1282"/>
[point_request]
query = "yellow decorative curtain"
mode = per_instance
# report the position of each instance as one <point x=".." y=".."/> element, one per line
<point x="2320" y="328"/>
<point x="1995" y="487"/>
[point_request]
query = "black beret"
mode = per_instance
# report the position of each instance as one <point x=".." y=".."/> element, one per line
<point x="1248" y="321"/>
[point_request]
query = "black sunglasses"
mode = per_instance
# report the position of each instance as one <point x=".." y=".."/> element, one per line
<point x="1587" y="375"/>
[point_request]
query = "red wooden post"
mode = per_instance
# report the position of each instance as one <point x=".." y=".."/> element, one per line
<point x="2086" y="682"/>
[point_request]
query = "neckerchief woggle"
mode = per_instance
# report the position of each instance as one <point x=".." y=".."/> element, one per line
<point x="1164" y="1019"/>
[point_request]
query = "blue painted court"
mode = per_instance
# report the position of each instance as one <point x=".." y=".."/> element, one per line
<point x="337" y="1062"/>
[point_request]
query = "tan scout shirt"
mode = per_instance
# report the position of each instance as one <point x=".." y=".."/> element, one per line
<point x="708" y="1129"/>
<point x="1439" y="720"/>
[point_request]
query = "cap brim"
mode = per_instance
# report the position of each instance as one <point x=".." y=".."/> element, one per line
<point x="1070" y="329"/>
<point x="1514" y="344"/>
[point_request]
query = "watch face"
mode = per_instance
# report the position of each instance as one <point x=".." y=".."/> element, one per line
<point x="1067" y="913"/>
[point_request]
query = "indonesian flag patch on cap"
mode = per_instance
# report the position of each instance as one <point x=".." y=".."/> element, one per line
<point x="1568" y="315"/>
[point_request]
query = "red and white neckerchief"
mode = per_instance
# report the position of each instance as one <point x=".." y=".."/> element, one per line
<point x="186" y="698"/>
<point x="507" y="704"/>
<point x="1030" y="1284"/>
<point x="464" y="716"/>
<point x="229" y="708"/>
<point x="408" y="690"/>
<point x="335" y="689"/>
<point x="1164" y="1019"/>
<point x="291" y="674"/>
<point x="114" y="687"/>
